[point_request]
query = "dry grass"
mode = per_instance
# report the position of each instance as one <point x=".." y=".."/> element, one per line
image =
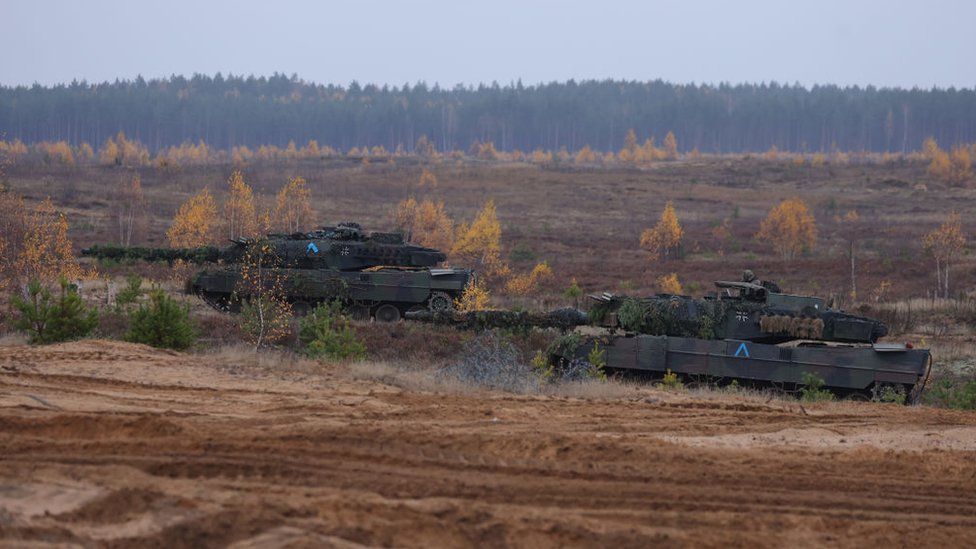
<point x="587" y="223"/>
<point x="12" y="339"/>
<point x="238" y="358"/>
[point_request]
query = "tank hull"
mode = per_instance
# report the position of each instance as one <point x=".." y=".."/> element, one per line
<point x="845" y="369"/>
<point x="403" y="289"/>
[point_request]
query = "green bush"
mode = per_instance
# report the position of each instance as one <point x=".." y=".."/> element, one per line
<point x="326" y="332"/>
<point x="890" y="394"/>
<point x="949" y="394"/>
<point x="598" y="358"/>
<point x="162" y="322"/>
<point x="813" y="390"/>
<point x="131" y="292"/>
<point x="46" y="319"/>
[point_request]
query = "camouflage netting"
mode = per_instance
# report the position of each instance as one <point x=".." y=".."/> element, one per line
<point x="803" y="328"/>
<point x="203" y="254"/>
<point x="675" y="317"/>
<point x="508" y="320"/>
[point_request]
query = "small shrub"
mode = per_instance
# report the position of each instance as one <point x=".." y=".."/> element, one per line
<point x="491" y="360"/>
<point x="46" y="319"/>
<point x="131" y="292"/>
<point x="813" y="390"/>
<point x="162" y="323"/>
<point x="671" y="381"/>
<point x="521" y="252"/>
<point x="326" y="332"/>
<point x="573" y="292"/>
<point x="889" y="394"/>
<point x="597" y="357"/>
<point x="542" y="366"/>
<point x="265" y="319"/>
<point x="948" y="394"/>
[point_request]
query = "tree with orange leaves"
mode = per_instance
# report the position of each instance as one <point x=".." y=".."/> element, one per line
<point x="239" y="212"/>
<point x="475" y="297"/>
<point x="943" y="244"/>
<point x="666" y="236"/>
<point x="195" y="222"/>
<point x="670" y="147"/>
<point x="480" y="242"/>
<point x="960" y="166"/>
<point x="669" y="284"/>
<point x="525" y="284"/>
<point x="790" y="228"/>
<point x="585" y="155"/>
<point x="46" y="254"/>
<point x="630" y="151"/>
<point x="427" y="180"/>
<point x="425" y="223"/>
<point x="293" y="210"/>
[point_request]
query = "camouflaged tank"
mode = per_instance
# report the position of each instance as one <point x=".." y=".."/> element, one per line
<point x="750" y="331"/>
<point x="375" y="274"/>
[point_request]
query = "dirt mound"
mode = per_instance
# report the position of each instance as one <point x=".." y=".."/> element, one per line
<point x="102" y="446"/>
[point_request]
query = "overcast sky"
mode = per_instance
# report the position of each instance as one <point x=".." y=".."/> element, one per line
<point x="885" y="43"/>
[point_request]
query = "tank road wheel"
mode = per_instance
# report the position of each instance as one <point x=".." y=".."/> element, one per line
<point x="301" y="308"/>
<point x="439" y="302"/>
<point x="219" y="301"/>
<point x="858" y="396"/>
<point x="387" y="313"/>
<point x="359" y="312"/>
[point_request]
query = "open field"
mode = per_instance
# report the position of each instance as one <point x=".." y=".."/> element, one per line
<point x="587" y="222"/>
<point x="112" y="444"/>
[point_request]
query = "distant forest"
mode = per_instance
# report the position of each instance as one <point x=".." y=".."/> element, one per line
<point x="231" y="111"/>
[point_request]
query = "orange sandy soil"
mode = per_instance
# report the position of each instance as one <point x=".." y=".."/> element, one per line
<point x="111" y="444"/>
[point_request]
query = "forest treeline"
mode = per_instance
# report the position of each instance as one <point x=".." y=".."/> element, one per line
<point x="250" y="111"/>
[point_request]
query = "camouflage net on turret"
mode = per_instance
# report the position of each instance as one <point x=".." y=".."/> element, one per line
<point x="803" y="328"/>
<point x="203" y="254"/>
<point x="675" y="317"/>
<point x="508" y="320"/>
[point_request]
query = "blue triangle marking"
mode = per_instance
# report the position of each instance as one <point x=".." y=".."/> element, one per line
<point x="743" y="350"/>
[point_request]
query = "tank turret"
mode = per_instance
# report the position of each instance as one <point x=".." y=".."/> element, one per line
<point x="344" y="247"/>
<point x="748" y="310"/>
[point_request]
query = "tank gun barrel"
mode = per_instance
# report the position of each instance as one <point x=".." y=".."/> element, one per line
<point x="488" y="319"/>
<point x="203" y="254"/>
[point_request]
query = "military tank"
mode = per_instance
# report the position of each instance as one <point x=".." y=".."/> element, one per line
<point x="375" y="274"/>
<point x="748" y="331"/>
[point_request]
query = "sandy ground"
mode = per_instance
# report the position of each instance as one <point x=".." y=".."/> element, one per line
<point x="111" y="444"/>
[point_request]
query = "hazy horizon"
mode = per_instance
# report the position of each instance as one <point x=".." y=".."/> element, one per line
<point x="870" y="43"/>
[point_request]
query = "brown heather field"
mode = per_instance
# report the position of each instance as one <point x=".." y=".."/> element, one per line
<point x="587" y="223"/>
<point x="111" y="444"/>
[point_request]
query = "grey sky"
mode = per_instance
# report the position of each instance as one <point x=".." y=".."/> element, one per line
<point x="885" y="43"/>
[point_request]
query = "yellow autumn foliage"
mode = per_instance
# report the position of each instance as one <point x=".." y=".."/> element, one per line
<point x="239" y="212"/>
<point x="46" y="253"/>
<point x="665" y="237"/>
<point x="669" y="284"/>
<point x="528" y="283"/>
<point x="293" y="210"/>
<point x="195" y="222"/>
<point x="425" y="223"/>
<point x="475" y="297"/>
<point x="480" y="242"/>
<point x="790" y="228"/>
